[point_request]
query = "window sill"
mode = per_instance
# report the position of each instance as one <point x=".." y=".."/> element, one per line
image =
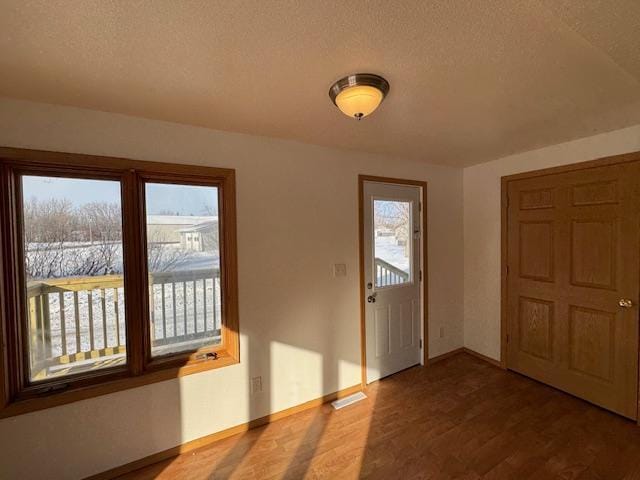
<point x="22" y="406"/>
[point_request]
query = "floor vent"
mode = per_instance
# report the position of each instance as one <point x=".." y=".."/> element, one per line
<point x="350" y="400"/>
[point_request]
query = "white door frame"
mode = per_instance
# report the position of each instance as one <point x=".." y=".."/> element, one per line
<point x="424" y="297"/>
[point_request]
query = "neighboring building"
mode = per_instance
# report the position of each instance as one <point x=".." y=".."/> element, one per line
<point x="201" y="237"/>
<point x="381" y="231"/>
<point x="168" y="228"/>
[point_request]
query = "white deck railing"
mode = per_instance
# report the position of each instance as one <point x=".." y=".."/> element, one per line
<point x="77" y="319"/>
<point x="388" y="274"/>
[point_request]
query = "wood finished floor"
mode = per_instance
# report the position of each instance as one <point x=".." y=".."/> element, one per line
<point x="459" y="418"/>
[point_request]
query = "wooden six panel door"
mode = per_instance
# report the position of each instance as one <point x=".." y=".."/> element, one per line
<point x="573" y="281"/>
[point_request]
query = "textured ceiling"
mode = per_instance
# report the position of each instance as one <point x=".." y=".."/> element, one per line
<point x="470" y="80"/>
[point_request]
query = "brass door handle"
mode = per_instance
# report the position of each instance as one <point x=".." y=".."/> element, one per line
<point x="625" y="303"/>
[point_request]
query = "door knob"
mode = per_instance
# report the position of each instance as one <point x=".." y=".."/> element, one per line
<point x="371" y="298"/>
<point x="625" y="303"/>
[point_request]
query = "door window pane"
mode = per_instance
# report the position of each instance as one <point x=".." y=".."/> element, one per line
<point x="392" y="240"/>
<point x="183" y="258"/>
<point x="74" y="275"/>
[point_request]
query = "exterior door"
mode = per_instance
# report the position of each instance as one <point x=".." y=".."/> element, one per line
<point x="392" y="259"/>
<point x="573" y="282"/>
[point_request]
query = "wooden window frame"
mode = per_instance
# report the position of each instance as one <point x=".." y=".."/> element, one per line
<point x="17" y="394"/>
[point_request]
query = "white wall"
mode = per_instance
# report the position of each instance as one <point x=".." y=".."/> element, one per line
<point x="482" y="225"/>
<point x="297" y="215"/>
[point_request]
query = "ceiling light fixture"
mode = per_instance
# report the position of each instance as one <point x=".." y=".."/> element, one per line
<point x="359" y="95"/>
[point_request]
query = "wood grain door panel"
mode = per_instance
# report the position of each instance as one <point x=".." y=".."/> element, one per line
<point x="593" y="246"/>
<point x="536" y="250"/>
<point x="535" y="327"/>
<point x="592" y="342"/>
<point x="573" y="253"/>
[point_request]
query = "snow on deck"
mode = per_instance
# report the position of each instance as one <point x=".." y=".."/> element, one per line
<point x="387" y="249"/>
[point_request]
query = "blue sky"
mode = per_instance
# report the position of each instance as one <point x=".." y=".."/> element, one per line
<point x="181" y="199"/>
<point x="161" y="198"/>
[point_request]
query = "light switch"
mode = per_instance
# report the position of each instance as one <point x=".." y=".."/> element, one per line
<point x="340" y="270"/>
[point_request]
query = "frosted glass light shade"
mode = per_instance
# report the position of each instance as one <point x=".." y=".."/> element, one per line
<point x="359" y="95"/>
<point x="359" y="101"/>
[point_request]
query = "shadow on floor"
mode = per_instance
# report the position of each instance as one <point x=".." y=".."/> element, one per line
<point x="459" y="418"/>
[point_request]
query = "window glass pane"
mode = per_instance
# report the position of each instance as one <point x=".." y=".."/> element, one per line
<point x="183" y="258"/>
<point x="74" y="275"/>
<point x="392" y="232"/>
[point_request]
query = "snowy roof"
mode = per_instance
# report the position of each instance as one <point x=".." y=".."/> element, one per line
<point x="185" y="220"/>
<point x="201" y="227"/>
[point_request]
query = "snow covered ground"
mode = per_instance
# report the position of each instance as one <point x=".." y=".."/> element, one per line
<point x="199" y="302"/>
<point x="387" y="249"/>
<point x="72" y="255"/>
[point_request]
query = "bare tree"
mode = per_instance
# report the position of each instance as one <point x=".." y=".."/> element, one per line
<point x="47" y="225"/>
<point x="393" y="215"/>
<point x="66" y="241"/>
<point x="48" y="222"/>
<point x="102" y="221"/>
<point x="162" y="257"/>
<point x="104" y="224"/>
<point x="55" y="231"/>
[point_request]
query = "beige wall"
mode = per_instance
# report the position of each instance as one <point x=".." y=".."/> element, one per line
<point x="482" y="226"/>
<point x="297" y="216"/>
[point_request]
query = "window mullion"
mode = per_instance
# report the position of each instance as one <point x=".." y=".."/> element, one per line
<point x="134" y="280"/>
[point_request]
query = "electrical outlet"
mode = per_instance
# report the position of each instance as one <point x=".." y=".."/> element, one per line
<point x="256" y="385"/>
<point x="340" y="270"/>
<point x="441" y="332"/>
